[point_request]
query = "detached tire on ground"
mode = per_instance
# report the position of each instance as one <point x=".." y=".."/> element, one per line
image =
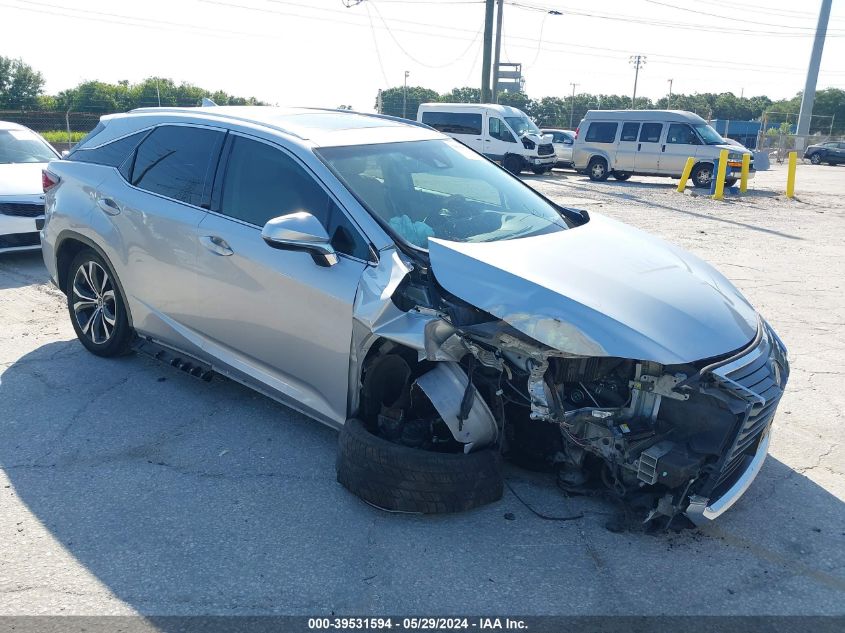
<point x="404" y="479"/>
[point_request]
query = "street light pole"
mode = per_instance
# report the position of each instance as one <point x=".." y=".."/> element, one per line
<point x="637" y="61"/>
<point x="405" y="95"/>
<point x="497" y="53"/>
<point x="669" y="101"/>
<point x="809" y="94"/>
<point x="572" y="105"/>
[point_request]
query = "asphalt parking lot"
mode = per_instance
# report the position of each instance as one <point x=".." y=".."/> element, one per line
<point x="129" y="487"/>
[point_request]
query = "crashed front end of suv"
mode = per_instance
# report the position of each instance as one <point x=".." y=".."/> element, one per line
<point x="617" y="360"/>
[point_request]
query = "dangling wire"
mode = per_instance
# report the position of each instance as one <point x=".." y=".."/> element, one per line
<point x="411" y="57"/>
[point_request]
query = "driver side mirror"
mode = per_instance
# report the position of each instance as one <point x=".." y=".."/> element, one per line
<point x="300" y="231"/>
<point x="568" y="141"/>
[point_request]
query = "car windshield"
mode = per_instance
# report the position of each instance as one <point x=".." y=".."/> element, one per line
<point x="708" y="134"/>
<point x="522" y="125"/>
<point x="441" y="189"/>
<point x="23" y="146"/>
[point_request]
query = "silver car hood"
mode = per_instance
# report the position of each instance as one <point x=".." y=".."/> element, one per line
<point x="601" y="289"/>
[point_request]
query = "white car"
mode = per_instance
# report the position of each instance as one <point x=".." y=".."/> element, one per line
<point x="563" y="141"/>
<point x="23" y="154"/>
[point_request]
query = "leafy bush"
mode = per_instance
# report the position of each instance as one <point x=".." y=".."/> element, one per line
<point x="60" y="136"/>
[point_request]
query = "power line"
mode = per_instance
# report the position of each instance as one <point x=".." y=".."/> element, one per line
<point x="411" y="57"/>
<point x="378" y="52"/>
<point x="632" y="19"/>
<point x="725" y="17"/>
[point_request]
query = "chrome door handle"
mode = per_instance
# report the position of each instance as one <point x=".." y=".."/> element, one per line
<point x="216" y="245"/>
<point x="108" y="205"/>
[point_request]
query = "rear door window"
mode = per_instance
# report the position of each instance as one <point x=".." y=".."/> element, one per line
<point x="454" y="122"/>
<point x="601" y="132"/>
<point x="650" y="132"/>
<point x="177" y="161"/>
<point x="630" y="131"/>
<point x="111" y="154"/>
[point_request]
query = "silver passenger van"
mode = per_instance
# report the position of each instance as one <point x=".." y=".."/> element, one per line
<point x="621" y="143"/>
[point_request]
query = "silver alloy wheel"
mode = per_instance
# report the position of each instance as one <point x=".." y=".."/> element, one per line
<point x="598" y="169"/>
<point x="815" y="159"/>
<point x="94" y="302"/>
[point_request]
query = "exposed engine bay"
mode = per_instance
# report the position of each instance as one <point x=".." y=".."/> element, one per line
<point x="664" y="439"/>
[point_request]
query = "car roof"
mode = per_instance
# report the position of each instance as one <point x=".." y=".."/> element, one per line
<point x="318" y="125"/>
<point x="676" y="116"/>
<point x="495" y="107"/>
<point x="8" y="125"/>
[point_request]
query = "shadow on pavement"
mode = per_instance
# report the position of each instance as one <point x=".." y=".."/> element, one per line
<point x="22" y="268"/>
<point x="184" y="497"/>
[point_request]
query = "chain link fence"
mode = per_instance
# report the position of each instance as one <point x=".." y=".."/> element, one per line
<point x="61" y="129"/>
<point x="778" y="144"/>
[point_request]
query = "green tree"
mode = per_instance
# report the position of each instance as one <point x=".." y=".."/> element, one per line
<point x="392" y="100"/>
<point x="462" y="95"/>
<point x="20" y="84"/>
<point x="517" y="100"/>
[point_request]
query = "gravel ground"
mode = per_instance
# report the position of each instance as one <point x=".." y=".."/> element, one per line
<point x="127" y="487"/>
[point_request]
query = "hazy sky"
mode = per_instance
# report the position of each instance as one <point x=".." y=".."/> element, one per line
<point x="318" y="52"/>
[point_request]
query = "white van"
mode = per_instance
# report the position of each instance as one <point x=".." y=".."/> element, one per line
<point x="501" y="133"/>
<point x="620" y="143"/>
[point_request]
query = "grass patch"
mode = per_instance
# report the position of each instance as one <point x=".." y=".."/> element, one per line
<point x="60" y="136"/>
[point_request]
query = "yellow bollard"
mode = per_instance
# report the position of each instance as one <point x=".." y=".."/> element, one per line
<point x="790" y="175"/>
<point x="746" y="167"/>
<point x="685" y="174"/>
<point x="720" y="177"/>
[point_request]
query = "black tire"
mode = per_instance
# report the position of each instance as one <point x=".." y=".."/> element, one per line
<point x="597" y="169"/>
<point x="702" y="174"/>
<point x="832" y="164"/>
<point x="816" y="159"/>
<point x="622" y="175"/>
<point x="513" y="164"/>
<point x="730" y="182"/>
<point x="541" y="170"/>
<point x="404" y="479"/>
<point x="99" y="318"/>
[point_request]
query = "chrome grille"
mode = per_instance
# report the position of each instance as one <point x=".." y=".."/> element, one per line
<point x="758" y="378"/>
<point x="22" y="209"/>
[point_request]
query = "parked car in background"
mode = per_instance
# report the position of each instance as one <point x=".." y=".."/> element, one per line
<point x="563" y="141"/>
<point x="23" y="154"/>
<point x="832" y="153"/>
<point x="502" y="133"/>
<point x="621" y="143"/>
<point x="390" y="282"/>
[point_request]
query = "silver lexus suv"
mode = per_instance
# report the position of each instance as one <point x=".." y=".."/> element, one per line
<point x="388" y="281"/>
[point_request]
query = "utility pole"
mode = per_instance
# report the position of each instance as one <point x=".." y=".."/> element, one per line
<point x="158" y="94"/>
<point x="572" y="105"/>
<point x="638" y="61"/>
<point x="498" y="53"/>
<point x="669" y="100"/>
<point x="488" y="45"/>
<point x="405" y="96"/>
<point x="809" y="95"/>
